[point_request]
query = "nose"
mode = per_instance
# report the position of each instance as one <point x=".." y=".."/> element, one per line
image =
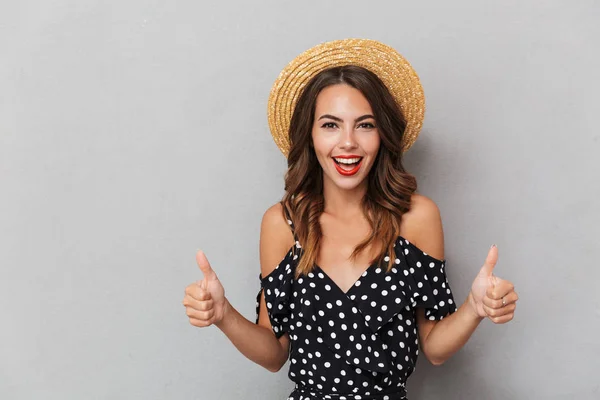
<point x="347" y="139"/>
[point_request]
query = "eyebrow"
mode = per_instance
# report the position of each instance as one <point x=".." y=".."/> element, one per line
<point x="333" y="117"/>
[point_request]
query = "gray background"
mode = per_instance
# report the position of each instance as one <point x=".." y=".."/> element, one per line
<point x="134" y="133"/>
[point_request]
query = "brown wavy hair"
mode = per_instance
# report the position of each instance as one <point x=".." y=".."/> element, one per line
<point x="389" y="186"/>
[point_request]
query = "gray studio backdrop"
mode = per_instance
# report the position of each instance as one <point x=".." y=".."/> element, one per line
<point x="133" y="133"/>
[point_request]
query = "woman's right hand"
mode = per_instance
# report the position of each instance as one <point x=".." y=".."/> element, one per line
<point x="204" y="301"/>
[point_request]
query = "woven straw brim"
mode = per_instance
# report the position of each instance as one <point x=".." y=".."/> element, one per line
<point x="393" y="70"/>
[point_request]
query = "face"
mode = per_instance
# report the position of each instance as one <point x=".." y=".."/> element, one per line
<point x="345" y="136"/>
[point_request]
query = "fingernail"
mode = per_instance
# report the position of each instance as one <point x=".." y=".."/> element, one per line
<point x="493" y="246"/>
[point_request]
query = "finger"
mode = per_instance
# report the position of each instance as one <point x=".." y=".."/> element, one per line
<point x="200" y="323"/>
<point x="510" y="298"/>
<point x="493" y="280"/>
<point x="205" y="305"/>
<point x="500" y="289"/>
<point x="205" y="267"/>
<point x="198" y="293"/>
<point x="203" y="284"/>
<point x="499" y="312"/>
<point x="201" y="315"/>
<point x="204" y="293"/>
<point x="490" y="261"/>
<point x="502" y="319"/>
<point x="491" y="303"/>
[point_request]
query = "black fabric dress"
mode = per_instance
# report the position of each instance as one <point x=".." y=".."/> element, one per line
<point x="362" y="344"/>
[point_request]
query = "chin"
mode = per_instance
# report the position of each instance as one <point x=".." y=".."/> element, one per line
<point x="348" y="187"/>
<point x="346" y="183"/>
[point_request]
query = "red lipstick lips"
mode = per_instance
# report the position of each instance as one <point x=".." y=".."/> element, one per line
<point x="345" y="172"/>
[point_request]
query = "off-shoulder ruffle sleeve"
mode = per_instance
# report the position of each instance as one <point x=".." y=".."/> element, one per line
<point x="427" y="281"/>
<point x="277" y="287"/>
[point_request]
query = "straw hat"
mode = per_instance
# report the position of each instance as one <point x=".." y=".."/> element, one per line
<point x="393" y="70"/>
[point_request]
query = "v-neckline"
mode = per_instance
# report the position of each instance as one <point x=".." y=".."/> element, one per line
<point x="347" y="292"/>
<point x="362" y="275"/>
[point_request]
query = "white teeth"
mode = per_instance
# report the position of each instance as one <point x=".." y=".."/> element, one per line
<point x="347" y="160"/>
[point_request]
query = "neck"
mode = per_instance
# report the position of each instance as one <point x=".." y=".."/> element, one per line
<point x="343" y="202"/>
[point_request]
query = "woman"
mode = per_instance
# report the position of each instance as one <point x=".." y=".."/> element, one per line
<point x="353" y="278"/>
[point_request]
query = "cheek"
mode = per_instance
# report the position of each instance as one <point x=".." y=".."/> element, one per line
<point x="322" y="146"/>
<point x="371" y="144"/>
<point x="377" y="145"/>
<point x="320" y="149"/>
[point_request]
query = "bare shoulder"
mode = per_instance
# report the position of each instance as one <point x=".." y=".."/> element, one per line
<point x="276" y="238"/>
<point x="422" y="225"/>
<point x="422" y="209"/>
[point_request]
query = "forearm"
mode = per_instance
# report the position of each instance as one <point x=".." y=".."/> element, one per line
<point x="255" y="342"/>
<point x="450" y="334"/>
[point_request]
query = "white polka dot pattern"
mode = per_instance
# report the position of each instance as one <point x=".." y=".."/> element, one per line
<point x="362" y="344"/>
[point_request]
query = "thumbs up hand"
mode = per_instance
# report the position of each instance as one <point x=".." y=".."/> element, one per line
<point x="205" y="301"/>
<point x="491" y="296"/>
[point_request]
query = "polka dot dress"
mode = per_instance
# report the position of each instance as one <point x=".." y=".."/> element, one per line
<point x="361" y="344"/>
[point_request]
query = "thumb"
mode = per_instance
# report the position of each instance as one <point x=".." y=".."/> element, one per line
<point x="490" y="262"/>
<point x="205" y="267"/>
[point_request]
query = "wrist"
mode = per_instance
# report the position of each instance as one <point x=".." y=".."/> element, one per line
<point x="226" y="314"/>
<point x="471" y="305"/>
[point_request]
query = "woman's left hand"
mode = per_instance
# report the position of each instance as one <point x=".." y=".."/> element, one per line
<point x="491" y="296"/>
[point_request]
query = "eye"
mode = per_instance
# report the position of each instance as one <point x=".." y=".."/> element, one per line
<point x="329" y="125"/>
<point x="366" y="125"/>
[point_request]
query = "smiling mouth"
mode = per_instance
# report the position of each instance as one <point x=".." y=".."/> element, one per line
<point x="347" y="166"/>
